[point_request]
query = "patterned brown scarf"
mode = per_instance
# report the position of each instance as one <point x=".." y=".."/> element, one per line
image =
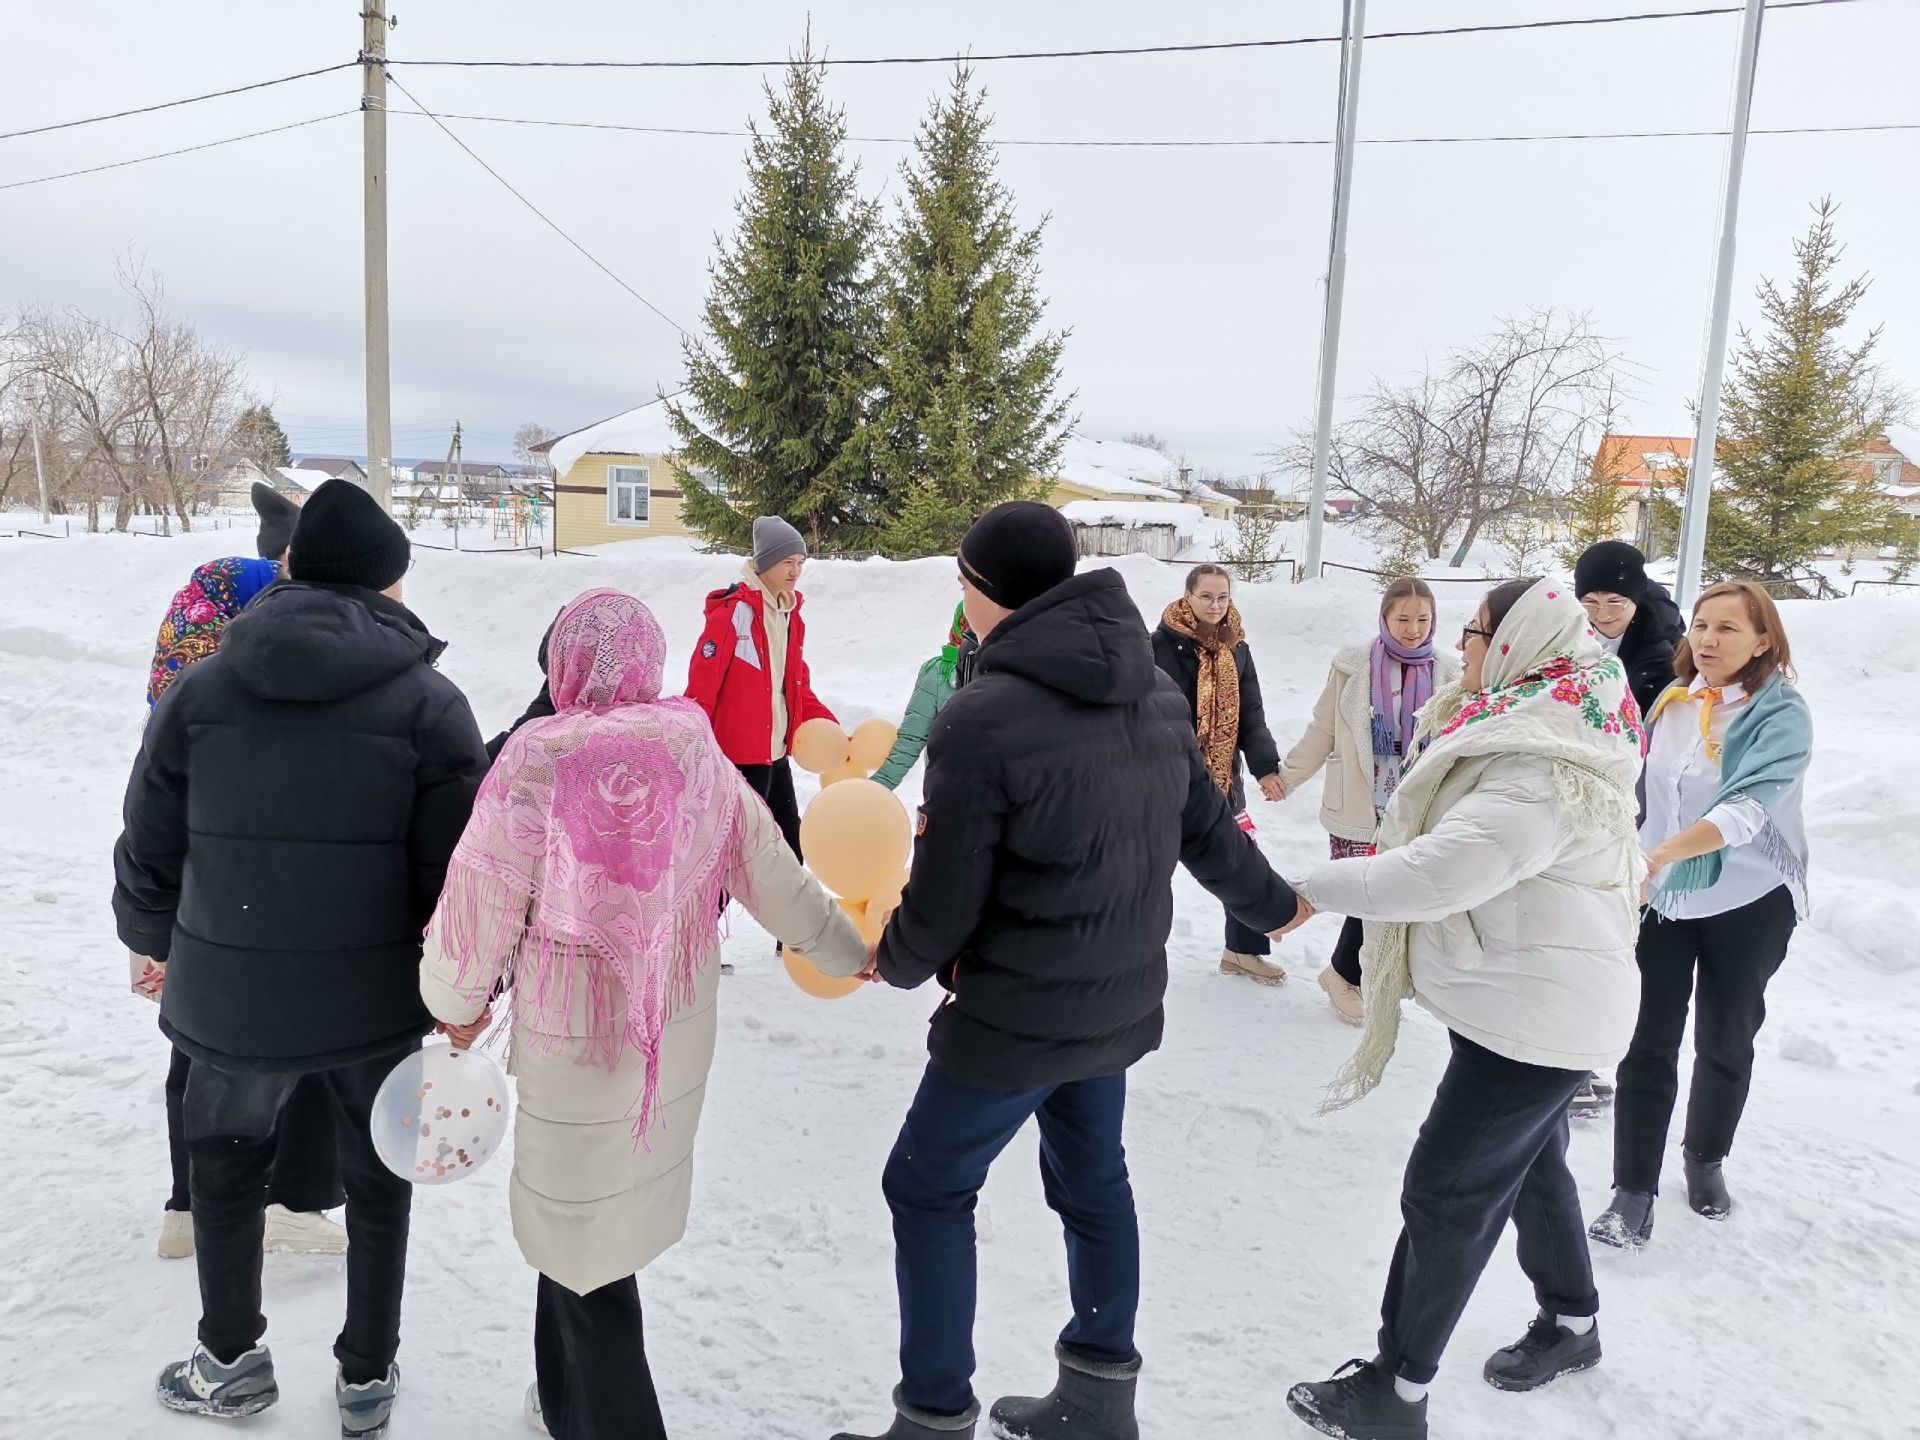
<point x="1216" y="698"/>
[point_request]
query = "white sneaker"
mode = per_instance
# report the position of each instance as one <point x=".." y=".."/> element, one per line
<point x="536" y="1422"/>
<point x="1348" y="1003"/>
<point x="1254" y="967"/>
<point x="176" y="1235"/>
<point x="302" y="1234"/>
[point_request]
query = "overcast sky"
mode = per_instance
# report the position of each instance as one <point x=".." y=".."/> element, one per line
<point x="1190" y="279"/>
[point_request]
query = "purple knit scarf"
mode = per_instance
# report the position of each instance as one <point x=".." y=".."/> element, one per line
<point x="1416" y="688"/>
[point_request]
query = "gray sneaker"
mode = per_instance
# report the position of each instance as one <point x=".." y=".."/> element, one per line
<point x="201" y="1385"/>
<point x="366" y="1409"/>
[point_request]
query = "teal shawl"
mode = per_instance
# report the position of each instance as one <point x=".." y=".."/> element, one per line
<point x="1768" y="748"/>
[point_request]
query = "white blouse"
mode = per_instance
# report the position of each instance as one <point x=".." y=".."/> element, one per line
<point x="1681" y="780"/>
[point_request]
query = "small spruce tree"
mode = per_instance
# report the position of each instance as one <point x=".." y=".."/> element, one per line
<point x="969" y="413"/>
<point x="1797" y="411"/>
<point x="774" y="408"/>
<point x="257" y="436"/>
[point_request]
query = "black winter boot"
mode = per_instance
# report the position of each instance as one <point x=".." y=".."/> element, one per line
<point x="1706" y="1187"/>
<point x="1546" y="1352"/>
<point x="1360" y="1403"/>
<point x="912" y="1424"/>
<point x="1626" y="1223"/>
<point x="1093" y="1400"/>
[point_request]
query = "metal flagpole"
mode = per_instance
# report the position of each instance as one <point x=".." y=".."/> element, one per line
<point x="1353" y="29"/>
<point x="1693" y="520"/>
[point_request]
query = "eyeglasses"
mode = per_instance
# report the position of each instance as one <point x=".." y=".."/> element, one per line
<point x="1486" y="635"/>
<point x="1606" y="607"/>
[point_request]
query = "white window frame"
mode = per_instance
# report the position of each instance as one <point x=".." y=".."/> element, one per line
<point x="639" y="476"/>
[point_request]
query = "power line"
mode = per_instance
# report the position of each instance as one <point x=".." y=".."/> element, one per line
<point x="1113" y="51"/>
<point x="186" y="150"/>
<point x="541" y="214"/>
<point x="171" y="104"/>
<point x="1205" y="144"/>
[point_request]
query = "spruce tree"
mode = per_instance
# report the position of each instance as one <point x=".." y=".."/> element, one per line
<point x="774" y="408"/>
<point x="257" y="436"/>
<point x="969" y="414"/>
<point x="1795" y="415"/>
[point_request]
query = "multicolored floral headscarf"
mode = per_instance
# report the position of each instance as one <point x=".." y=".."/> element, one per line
<point x="612" y="826"/>
<point x="218" y="591"/>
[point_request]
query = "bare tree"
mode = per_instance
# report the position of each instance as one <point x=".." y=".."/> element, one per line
<point x="1493" y="432"/>
<point x="524" y="439"/>
<point x="140" y="414"/>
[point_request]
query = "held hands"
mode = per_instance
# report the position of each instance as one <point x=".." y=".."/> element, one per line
<point x="872" y="972"/>
<point x="1305" y="913"/>
<point x="463" y="1036"/>
<point x="149" y="976"/>
<point x="1271" y="787"/>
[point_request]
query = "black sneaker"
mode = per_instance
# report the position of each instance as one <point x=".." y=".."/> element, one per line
<point x="1546" y="1352"/>
<point x="1593" y="1099"/>
<point x="1706" y="1187"/>
<point x="1359" y="1403"/>
<point x="1626" y="1223"/>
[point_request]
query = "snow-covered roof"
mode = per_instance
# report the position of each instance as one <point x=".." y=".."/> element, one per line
<point x="643" y="430"/>
<point x="294" y="478"/>
<point x="1136" y="514"/>
<point x="1092" y="477"/>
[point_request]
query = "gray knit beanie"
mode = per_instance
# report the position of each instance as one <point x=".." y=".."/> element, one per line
<point x="774" y="540"/>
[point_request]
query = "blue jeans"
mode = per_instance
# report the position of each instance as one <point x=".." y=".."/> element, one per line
<point x="952" y="1135"/>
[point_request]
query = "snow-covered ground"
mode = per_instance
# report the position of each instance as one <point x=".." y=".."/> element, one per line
<point x="1267" y="1227"/>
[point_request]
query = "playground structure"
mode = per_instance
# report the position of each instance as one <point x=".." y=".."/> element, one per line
<point x="515" y="517"/>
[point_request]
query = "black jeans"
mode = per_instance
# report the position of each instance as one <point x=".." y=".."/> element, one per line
<point x="1493" y="1146"/>
<point x="1729" y="958"/>
<point x="952" y="1135"/>
<point x="774" y="784"/>
<point x="1245" y="940"/>
<point x="1346" y="950"/>
<point x="230" y="1119"/>
<point x="306" y="1164"/>
<point x="590" y="1362"/>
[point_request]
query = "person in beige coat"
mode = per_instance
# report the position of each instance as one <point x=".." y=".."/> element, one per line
<point x="1361" y="734"/>
<point x="588" y="890"/>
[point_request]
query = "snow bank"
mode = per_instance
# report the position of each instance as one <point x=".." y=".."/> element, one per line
<point x="1267" y="1227"/>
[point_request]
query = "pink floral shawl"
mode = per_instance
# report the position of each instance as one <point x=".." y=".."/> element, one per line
<point x="614" y="823"/>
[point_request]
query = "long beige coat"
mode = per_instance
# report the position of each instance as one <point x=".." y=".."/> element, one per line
<point x="1340" y="737"/>
<point x="589" y="1205"/>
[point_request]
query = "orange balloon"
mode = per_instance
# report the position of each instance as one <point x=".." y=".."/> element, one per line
<point x="819" y="746"/>
<point x="871" y="743"/>
<point x="807" y="976"/>
<point x="887" y="897"/>
<point x="856" y="836"/>
<point x="849" y="771"/>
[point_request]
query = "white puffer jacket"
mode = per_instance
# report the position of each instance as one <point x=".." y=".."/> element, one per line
<point x="1522" y="930"/>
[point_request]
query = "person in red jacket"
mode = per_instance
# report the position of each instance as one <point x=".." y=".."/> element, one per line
<point x="749" y="670"/>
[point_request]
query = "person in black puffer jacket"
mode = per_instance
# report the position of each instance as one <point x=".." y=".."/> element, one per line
<point x="1202" y="643"/>
<point x="1063" y="787"/>
<point x="1635" y="616"/>
<point x="541" y="706"/>
<point x="288" y="826"/>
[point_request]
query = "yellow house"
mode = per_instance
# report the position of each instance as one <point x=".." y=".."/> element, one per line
<point x="1114" y="471"/>
<point x="616" y="480"/>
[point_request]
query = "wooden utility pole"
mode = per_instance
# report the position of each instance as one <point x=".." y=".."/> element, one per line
<point x="40" y="472"/>
<point x="373" y="119"/>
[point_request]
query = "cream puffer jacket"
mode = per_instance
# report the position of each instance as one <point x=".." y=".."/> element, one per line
<point x="590" y="1205"/>
<point x="1340" y="737"/>
<point x="1522" y="929"/>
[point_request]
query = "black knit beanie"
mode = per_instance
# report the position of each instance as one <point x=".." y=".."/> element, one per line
<point x="277" y="516"/>
<point x="1612" y="567"/>
<point x="345" y="538"/>
<point x="1017" y="552"/>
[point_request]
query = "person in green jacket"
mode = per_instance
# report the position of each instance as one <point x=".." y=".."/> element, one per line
<point x="939" y="678"/>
